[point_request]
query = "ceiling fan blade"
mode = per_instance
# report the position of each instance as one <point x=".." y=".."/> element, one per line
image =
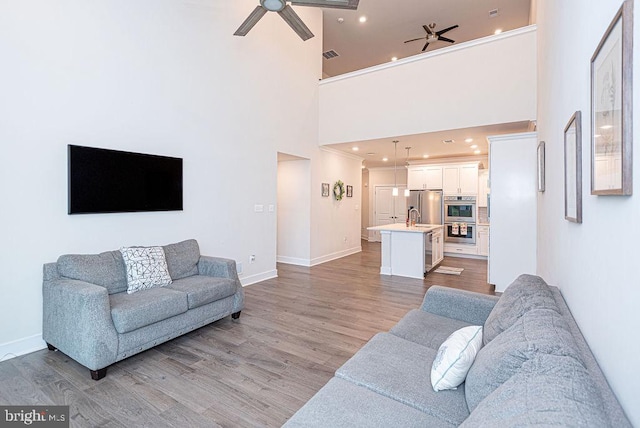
<point x="413" y="40"/>
<point x="444" y="39"/>
<point x="445" y="30"/>
<point x="333" y="4"/>
<point x="427" y="29"/>
<point x="425" y="47"/>
<point x="294" y="21"/>
<point x="251" y="20"/>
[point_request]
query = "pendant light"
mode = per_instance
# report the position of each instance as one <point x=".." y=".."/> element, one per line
<point x="394" y="192"/>
<point x="407" y="192"/>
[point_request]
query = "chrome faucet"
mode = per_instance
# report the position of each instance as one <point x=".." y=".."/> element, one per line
<point x="411" y="220"/>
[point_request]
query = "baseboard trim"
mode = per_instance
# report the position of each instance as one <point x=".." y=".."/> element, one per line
<point x="22" y="346"/>
<point x="336" y="255"/>
<point x="318" y="260"/>
<point x="259" y="277"/>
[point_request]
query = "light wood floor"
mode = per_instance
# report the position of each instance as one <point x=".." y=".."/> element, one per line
<point x="294" y="332"/>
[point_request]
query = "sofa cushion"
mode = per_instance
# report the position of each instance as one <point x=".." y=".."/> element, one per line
<point x="146" y="268"/>
<point x="538" y="331"/>
<point x="454" y="358"/>
<point x="426" y="328"/>
<point x="525" y="293"/>
<point x="549" y="390"/>
<point x="182" y="258"/>
<point x="105" y="269"/>
<point x="202" y="289"/>
<point x="344" y="404"/>
<point x="401" y="369"/>
<point x="132" y="311"/>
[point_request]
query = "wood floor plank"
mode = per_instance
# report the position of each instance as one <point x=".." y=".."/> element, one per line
<point x="294" y="332"/>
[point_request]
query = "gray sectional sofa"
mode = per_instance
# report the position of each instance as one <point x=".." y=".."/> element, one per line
<point x="89" y="316"/>
<point x="535" y="368"/>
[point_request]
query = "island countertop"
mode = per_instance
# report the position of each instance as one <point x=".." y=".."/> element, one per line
<point x="401" y="227"/>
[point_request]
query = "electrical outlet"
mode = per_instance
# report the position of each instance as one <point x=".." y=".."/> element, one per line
<point x="252" y="258"/>
<point x="345" y="239"/>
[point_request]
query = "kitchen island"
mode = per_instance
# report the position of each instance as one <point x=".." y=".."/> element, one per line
<point x="410" y="251"/>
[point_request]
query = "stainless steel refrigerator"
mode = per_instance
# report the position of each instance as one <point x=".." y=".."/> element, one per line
<point x="429" y="204"/>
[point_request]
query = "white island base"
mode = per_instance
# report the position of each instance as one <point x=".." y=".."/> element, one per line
<point x="404" y="249"/>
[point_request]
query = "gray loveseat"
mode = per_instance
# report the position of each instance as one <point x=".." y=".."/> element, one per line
<point x="535" y="368"/>
<point x="88" y="315"/>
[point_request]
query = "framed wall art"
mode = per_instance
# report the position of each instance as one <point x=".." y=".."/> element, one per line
<point x="349" y="191"/>
<point x="541" y="166"/>
<point x="611" y="107"/>
<point x="573" y="169"/>
<point x="325" y="190"/>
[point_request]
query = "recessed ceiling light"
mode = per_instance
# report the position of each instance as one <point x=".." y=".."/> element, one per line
<point x="468" y="140"/>
<point x="606" y="127"/>
<point x="363" y="19"/>
<point x="385" y="159"/>
<point x="340" y="20"/>
<point x="477" y="152"/>
<point x="474" y="146"/>
<point x="355" y="149"/>
<point x="394" y="58"/>
<point x="425" y="156"/>
<point x="498" y="31"/>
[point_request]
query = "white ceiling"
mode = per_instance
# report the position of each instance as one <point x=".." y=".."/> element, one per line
<point x="391" y="22"/>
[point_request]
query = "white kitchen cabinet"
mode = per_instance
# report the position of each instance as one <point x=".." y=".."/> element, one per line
<point x="437" y="239"/>
<point x="424" y="178"/>
<point x="460" y="179"/>
<point x="483" y="187"/>
<point x="467" y="249"/>
<point x="482" y="240"/>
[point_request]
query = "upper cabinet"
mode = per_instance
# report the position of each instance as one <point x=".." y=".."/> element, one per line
<point x="460" y="179"/>
<point x="424" y="177"/>
<point x="483" y="187"/>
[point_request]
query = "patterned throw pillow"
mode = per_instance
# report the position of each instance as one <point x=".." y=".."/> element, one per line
<point x="454" y="358"/>
<point x="146" y="268"/>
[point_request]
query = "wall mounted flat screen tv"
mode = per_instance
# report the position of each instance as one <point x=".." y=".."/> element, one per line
<point x="111" y="181"/>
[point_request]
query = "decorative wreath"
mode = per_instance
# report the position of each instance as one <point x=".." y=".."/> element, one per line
<point x="338" y="190"/>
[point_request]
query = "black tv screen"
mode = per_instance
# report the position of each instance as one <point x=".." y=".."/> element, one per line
<point x="111" y="181"/>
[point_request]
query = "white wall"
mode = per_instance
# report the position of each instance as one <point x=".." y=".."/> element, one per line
<point x="483" y="82"/>
<point x="335" y="225"/>
<point x="593" y="263"/>
<point x="155" y="76"/>
<point x="294" y="211"/>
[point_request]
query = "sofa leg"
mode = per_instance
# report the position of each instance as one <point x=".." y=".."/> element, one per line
<point x="235" y="315"/>
<point x="50" y="347"/>
<point x="98" y="374"/>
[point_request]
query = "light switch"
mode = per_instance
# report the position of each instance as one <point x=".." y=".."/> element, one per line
<point x="272" y="208"/>
<point x="258" y="208"/>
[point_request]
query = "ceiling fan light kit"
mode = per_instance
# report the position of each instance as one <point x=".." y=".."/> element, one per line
<point x="287" y="13"/>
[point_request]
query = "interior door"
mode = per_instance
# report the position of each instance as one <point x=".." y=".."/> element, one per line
<point x="389" y="209"/>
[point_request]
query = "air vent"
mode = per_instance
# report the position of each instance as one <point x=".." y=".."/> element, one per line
<point x="330" y="54"/>
<point x="448" y="141"/>
<point x="493" y="13"/>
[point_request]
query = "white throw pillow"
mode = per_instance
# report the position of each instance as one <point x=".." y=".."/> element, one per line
<point x="146" y="268"/>
<point x="454" y="358"/>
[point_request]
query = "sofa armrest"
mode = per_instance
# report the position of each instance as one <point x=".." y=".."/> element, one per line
<point x="218" y="267"/>
<point x="462" y="305"/>
<point x="77" y="320"/>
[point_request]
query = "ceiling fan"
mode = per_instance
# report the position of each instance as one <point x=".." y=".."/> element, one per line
<point x="434" y="36"/>
<point x="289" y="15"/>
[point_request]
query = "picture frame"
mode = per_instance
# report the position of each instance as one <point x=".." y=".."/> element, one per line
<point x="541" y="172"/>
<point x="349" y="191"/>
<point x="325" y="190"/>
<point x="611" y="107"/>
<point x="573" y="169"/>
